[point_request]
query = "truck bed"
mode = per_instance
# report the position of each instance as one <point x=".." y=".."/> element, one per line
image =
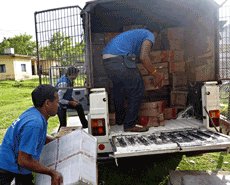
<point x="170" y="125"/>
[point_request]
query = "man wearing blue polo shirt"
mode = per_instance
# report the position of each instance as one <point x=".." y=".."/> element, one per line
<point x="25" y="138"/>
<point x="119" y="61"/>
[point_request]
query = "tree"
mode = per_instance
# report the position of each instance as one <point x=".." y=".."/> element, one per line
<point x="22" y="44"/>
<point x="61" y="47"/>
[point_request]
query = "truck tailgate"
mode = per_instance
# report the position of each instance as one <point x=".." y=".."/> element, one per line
<point x="186" y="135"/>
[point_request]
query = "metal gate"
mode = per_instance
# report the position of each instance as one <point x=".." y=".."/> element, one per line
<point x="224" y="59"/>
<point x="60" y="44"/>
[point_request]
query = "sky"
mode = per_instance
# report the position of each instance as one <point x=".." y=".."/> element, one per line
<point x="17" y="16"/>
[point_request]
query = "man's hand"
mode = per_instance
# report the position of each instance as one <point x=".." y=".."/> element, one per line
<point x="159" y="77"/>
<point x="56" y="178"/>
<point x="75" y="100"/>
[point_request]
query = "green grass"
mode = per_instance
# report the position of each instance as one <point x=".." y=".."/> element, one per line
<point x="15" y="98"/>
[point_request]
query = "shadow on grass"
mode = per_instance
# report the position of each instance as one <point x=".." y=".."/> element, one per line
<point x="142" y="170"/>
<point x="220" y="161"/>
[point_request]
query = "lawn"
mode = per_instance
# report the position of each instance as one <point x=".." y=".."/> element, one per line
<point x="15" y="98"/>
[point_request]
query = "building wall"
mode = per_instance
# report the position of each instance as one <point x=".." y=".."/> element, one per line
<point x="9" y="66"/>
<point x="19" y="74"/>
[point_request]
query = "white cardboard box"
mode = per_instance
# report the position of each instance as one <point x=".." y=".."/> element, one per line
<point x="74" y="155"/>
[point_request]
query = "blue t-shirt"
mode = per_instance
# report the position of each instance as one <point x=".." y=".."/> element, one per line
<point x="128" y="42"/>
<point x="28" y="134"/>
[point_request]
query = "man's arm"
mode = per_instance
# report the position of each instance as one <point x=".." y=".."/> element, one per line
<point x="27" y="161"/>
<point x="145" y="59"/>
<point x="61" y="93"/>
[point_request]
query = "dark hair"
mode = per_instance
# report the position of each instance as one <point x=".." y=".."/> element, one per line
<point x="41" y="93"/>
<point x="72" y="70"/>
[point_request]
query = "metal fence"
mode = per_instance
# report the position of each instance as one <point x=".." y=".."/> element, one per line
<point x="224" y="58"/>
<point x="60" y="44"/>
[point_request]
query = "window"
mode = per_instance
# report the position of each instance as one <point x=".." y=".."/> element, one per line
<point x="2" y="68"/>
<point x="23" y="67"/>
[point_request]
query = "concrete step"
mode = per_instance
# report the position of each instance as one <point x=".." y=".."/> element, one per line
<point x="199" y="178"/>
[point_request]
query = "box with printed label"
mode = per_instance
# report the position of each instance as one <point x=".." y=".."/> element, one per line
<point x="151" y="108"/>
<point x="150" y="83"/>
<point x="170" y="113"/>
<point x="176" y="66"/>
<point x="176" y="55"/>
<point x="152" y="121"/>
<point x="179" y="99"/>
<point x="178" y="81"/>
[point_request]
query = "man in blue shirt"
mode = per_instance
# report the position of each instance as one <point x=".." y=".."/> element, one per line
<point x="25" y="138"/>
<point x="119" y="62"/>
<point x="66" y="100"/>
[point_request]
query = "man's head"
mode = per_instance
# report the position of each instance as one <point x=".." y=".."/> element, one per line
<point x="72" y="72"/>
<point x="46" y="97"/>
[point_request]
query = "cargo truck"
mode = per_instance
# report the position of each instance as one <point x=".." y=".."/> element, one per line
<point x="182" y="114"/>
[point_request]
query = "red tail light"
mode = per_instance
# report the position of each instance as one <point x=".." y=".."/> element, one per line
<point x="215" y="115"/>
<point x="98" y="127"/>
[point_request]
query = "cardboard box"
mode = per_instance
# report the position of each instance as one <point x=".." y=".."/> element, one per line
<point x="175" y="55"/>
<point x="178" y="81"/>
<point x="176" y="44"/>
<point x="143" y="70"/>
<point x="151" y="108"/>
<point x="150" y="83"/>
<point x="176" y="66"/>
<point x="152" y="121"/>
<point x="74" y="155"/>
<point x="179" y="99"/>
<point x="112" y="118"/>
<point x="170" y="113"/>
<point x="155" y="56"/>
<point x="110" y="36"/>
<point x="164" y="56"/>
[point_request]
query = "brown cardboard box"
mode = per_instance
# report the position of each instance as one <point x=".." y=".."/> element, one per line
<point x="151" y="108"/>
<point x="178" y="81"/>
<point x="143" y="70"/>
<point x="155" y="121"/>
<point x="150" y="83"/>
<point x="112" y="119"/>
<point x="176" y="66"/>
<point x="155" y="56"/>
<point x="163" y="68"/>
<point x="176" y="44"/>
<point x="164" y="56"/>
<point x="175" y="55"/>
<point x="170" y="113"/>
<point x="110" y="36"/>
<point x="179" y="99"/>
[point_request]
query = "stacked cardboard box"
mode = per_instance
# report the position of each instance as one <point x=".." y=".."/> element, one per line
<point x="74" y="155"/>
<point x="151" y="114"/>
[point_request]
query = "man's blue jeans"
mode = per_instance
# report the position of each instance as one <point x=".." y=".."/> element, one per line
<point x="127" y="84"/>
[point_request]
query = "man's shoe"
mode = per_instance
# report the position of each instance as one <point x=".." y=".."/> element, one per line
<point x="137" y="128"/>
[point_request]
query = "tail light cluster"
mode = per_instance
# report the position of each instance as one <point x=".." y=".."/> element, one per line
<point x="98" y="127"/>
<point x="215" y="116"/>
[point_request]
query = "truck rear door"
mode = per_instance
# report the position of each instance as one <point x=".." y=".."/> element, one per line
<point x="184" y="140"/>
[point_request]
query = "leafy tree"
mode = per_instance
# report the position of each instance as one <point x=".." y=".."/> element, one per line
<point x="61" y="47"/>
<point x="22" y="44"/>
